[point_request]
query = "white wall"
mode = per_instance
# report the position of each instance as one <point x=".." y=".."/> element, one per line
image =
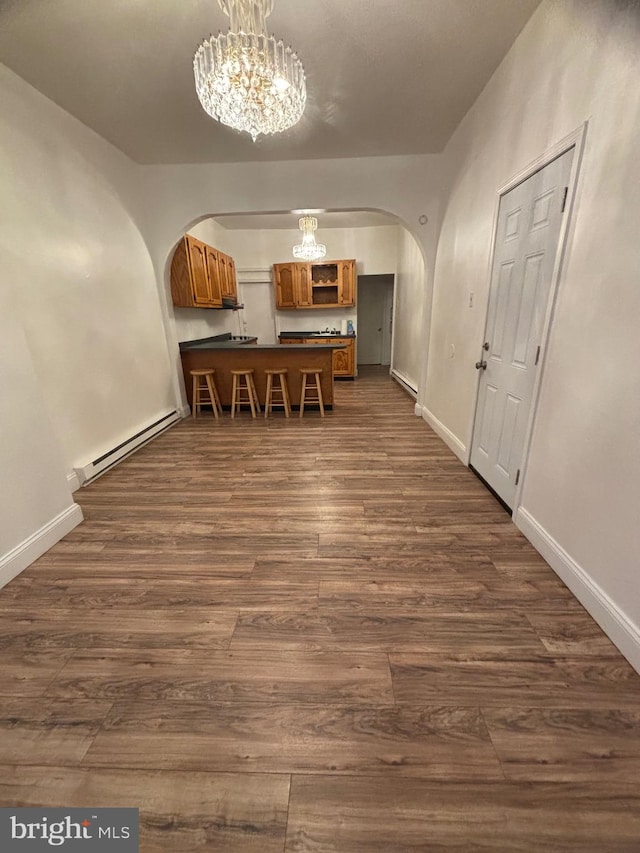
<point x="576" y="61"/>
<point x="211" y="232"/>
<point x="80" y="275"/>
<point x="411" y="312"/>
<point x="374" y="249"/>
<point x="36" y="507"/>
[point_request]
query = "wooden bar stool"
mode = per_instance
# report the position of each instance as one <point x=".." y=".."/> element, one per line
<point x="306" y="394"/>
<point x="243" y="392"/>
<point x="282" y="400"/>
<point x="204" y="392"/>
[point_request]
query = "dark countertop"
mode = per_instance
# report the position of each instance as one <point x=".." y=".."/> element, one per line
<point x="218" y="341"/>
<point x="232" y="345"/>
<point x="229" y="341"/>
<point x="314" y="334"/>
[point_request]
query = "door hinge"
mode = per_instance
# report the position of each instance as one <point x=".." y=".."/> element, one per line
<point x="564" y="199"/>
<point x="517" y="477"/>
<point x="537" y="357"/>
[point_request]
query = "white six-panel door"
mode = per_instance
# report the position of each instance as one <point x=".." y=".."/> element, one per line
<point x="527" y="235"/>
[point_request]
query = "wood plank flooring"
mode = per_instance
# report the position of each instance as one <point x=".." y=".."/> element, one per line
<point x="316" y="635"/>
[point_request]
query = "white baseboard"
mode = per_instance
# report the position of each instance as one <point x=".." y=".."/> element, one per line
<point x="616" y="624"/>
<point x="406" y="383"/>
<point x="74" y="482"/>
<point x="17" y="560"/>
<point x="184" y="411"/>
<point x="452" y="441"/>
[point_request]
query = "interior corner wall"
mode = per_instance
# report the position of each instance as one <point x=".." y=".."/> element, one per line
<point x="411" y="308"/>
<point x="80" y="276"/>
<point x="576" y="61"/>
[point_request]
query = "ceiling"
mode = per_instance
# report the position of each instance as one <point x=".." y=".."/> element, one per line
<point x="384" y="77"/>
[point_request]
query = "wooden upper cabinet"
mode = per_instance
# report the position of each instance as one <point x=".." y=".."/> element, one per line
<point x="227" y="271"/>
<point x="199" y="271"/>
<point x="284" y="283"/>
<point x="347" y="283"/>
<point x="223" y="272"/>
<point x="305" y="292"/>
<point x="201" y="275"/>
<point x="215" y="290"/>
<point x="189" y="274"/>
<point x="232" y="281"/>
<point x="326" y="284"/>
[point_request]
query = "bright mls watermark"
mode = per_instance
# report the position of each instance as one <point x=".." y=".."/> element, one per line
<point x="74" y="830"/>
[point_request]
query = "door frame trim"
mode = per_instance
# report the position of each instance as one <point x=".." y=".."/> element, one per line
<point x="576" y="140"/>
<point x="388" y="305"/>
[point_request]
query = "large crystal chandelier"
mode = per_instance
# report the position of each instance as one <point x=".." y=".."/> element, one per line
<point x="247" y="80"/>
<point x="309" y="250"/>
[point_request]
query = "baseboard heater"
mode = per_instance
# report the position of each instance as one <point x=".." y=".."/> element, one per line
<point x="406" y="384"/>
<point x="88" y="473"/>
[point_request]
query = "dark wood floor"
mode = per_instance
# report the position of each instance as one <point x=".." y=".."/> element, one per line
<point x="316" y="635"/>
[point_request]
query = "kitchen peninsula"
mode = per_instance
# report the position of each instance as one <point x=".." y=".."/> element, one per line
<point x="225" y="353"/>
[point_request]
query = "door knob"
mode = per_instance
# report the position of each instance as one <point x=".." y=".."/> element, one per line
<point x="481" y="365"/>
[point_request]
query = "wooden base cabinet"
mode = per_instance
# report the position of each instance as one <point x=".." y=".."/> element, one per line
<point x="201" y="275"/>
<point x="326" y="284"/>
<point x="344" y="360"/>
